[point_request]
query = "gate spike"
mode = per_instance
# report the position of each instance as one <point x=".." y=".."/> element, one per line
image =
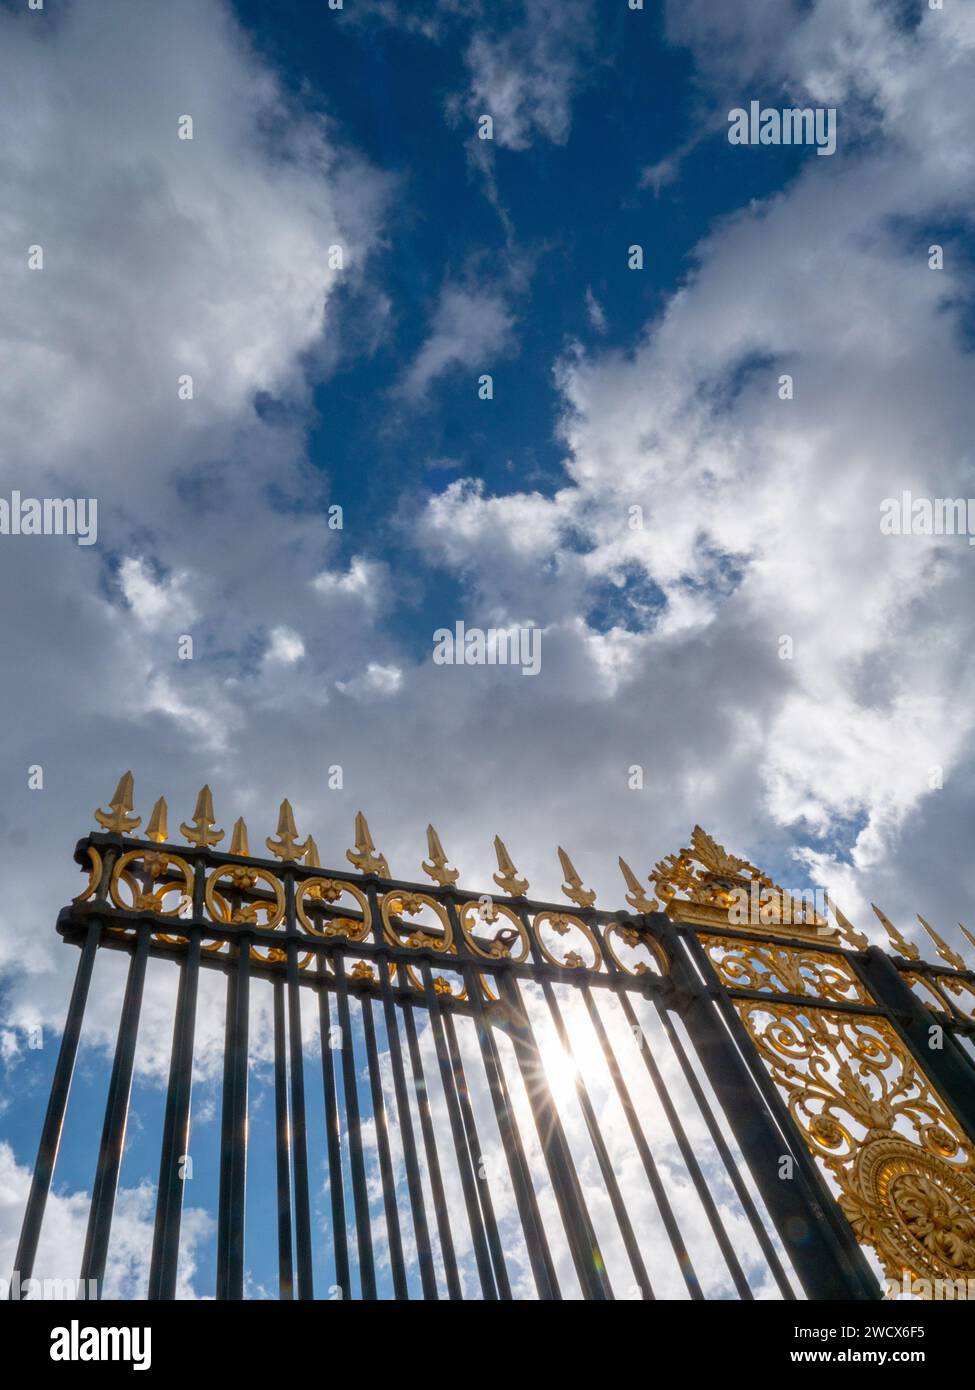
<point x="508" y="877"/>
<point x="364" y="857"/>
<point x="636" y="897"/>
<point x="158" y="827"/>
<point x="238" y="839"/>
<point x="286" y="846"/>
<point x="311" y="854"/>
<point x="201" y="832"/>
<point x="848" y="931"/>
<point x="944" y="950"/>
<point x="906" y="948"/>
<point x="968" y="934"/>
<point x="572" y="887"/>
<point x="118" y="818"/>
<point x="437" y="867"/>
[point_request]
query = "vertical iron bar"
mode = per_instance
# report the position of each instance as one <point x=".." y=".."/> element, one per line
<point x="116" y="1115"/>
<point x="176" y="1128"/>
<point x="643" y="1148"/>
<point x="454" y="1291"/>
<point x="360" y="1193"/>
<point x="282" y="1147"/>
<point x="583" y="1246"/>
<point x="421" y="1231"/>
<point x="333" y="1136"/>
<point x="819" y="1239"/>
<point x="543" y="1270"/>
<point x="477" y="1161"/>
<point x="468" y="1179"/>
<point x="687" y="1153"/>
<point x="233" y="1136"/>
<point x="602" y="1153"/>
<point x="299" y="1135"/>
<point x="387" y="1177"/>
<point x="50" y="1141"/>
<point x="947" y="1066"/>
<point x="727" y="1158"/>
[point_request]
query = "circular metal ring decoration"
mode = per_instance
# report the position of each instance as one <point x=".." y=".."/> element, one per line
<point x="243" y="878"/>
<point x="562" y="923"/>
<point x="94" y="875"/>
<point x="144" y="898"/>
<point x="397" y="903"/>
<point x="330" y="890"/>
<point x="633" y="939"/>
<point x="506" y="940"/>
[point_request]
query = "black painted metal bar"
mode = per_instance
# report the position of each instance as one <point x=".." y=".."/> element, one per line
<point x="583" y="1245"/>
<point x="233" y="1132"/>
<point x="630" y="1244"/>
<point x="299" y="1136"/>
<point x="333" y="1136"/>
<point x="116" y="1114"/>
<point x="708" y="1203"/>
<point x="465" y="1170"/>
<point x="819" y="1241"/>
<point x="386" y="1174"/>
<point x="726" y="1156"/>
<point x="282" y="1148"/>
<point x="174" y="1153"/>
<point x="938" y="1053"/>
<point x="50" y="1141"/>
<point x="536" y="1242"/>
<point x="501" y="1280"/>
<point x="440" y="1209"/>
<point x="646" y="1157"/>
<point x="357" y="1166"/>
<point x="421" y="1230"/>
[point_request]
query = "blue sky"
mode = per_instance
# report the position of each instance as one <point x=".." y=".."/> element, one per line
<point x="846" y="765"/>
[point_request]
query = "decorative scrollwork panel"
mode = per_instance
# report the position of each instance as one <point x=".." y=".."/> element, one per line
<point x="779" y="969"/>
<point x="902" y="1162"/>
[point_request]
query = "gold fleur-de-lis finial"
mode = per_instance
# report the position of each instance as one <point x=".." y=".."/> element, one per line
<point x="572" y="887"/>
<point x="906" y="948"/>
<point x="158" y="827"/>
<point x="201" y="832"/>
<point x="311" y="854"/>
<point x="508" y="877"/>
<point x="239" y="843"/>
<point x="848" y="931"/>
<point x="437" y="866"/>
<point x="364" y="856"/>
<point x="944" y="950"/>
<point x="637" y="896"/>
<point x="286" y="846"/>
<point x="118" y="818"/>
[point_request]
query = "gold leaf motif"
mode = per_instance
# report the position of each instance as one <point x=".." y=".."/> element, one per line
<point x="118" y="819"/>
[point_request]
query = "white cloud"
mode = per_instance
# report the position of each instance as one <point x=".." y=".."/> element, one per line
<point x="470" y="328"/>
<point x="284" y="647"/>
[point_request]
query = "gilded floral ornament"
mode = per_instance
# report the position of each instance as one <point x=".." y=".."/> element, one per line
<point x="507" y="875"/>
<point x="904" y="948"/>
<point x="287" y="845"/>
<point x="119" y="819"/>
<point x="572" y="887"/>
<point x="707" y="886"/>
<point x="944" y="950"/>
<point x="436" y="866"/>
<point x="201" y="831"/>
<point x="905" y="1168"/>
<point x="365" y="856"/>
<point x="636" y="897"/>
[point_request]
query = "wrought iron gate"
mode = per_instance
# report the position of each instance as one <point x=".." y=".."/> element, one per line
<point x="526" y="1100"/>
